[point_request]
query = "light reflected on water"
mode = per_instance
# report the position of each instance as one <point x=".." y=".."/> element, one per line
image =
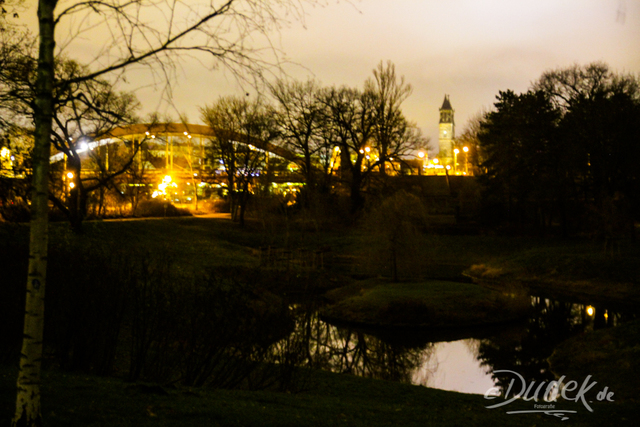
<point x="463" y="365"/>
<point x="454" y="366"/>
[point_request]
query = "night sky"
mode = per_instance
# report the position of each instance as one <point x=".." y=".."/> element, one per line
<point x="469" y="49"/>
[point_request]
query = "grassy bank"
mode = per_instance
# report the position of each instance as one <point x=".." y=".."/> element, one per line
<point x="611" y="354"/>
<point x="576" y="270"/>
<point x="426" y="304"/>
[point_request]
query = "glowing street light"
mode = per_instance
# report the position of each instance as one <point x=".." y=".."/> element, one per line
<point x="466" y="159"/>
<point x="421" y="157"/>
<point x="455" y="159"/>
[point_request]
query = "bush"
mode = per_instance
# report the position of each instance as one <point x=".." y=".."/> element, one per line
<point x="214" y="331"/>
<point x="214" y="205"/>
<point x="123" y="310"/>
<point x="88" y="288"/>
<point x="394" y="237"/>
<point x="14" y="212"/>
<point x="159" y="208"/>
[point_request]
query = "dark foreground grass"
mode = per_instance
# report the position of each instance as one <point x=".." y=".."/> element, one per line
<point x="334" y="400"/>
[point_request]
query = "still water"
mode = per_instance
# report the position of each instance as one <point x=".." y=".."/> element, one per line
<point x="460" y="361"/>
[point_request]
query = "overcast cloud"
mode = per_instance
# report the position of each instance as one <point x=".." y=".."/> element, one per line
<point x="469" y="49"/>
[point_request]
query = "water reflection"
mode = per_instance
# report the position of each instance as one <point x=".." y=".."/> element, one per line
<point x="454" y="366"/>
<point x="550" y="323"/>
<point x="466" y="365"/>
<point x="351" y="351"/>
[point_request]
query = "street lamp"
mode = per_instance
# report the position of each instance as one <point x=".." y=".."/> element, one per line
<point x="466" y="159"/>
<point x="421" y="156"/>
<point x="455" y="160"/>
<point x="66" y="188"/>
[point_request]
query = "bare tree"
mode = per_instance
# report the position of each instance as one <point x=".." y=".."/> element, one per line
<point x="236" y="123"/>
<point x="390" y="124"/>
<point x="597" y="157"/>
<point x="84" y="111"/>
<point x="136" y="177"/>
<point x="574" y="84"/>
<point x="299" y="119"/>
<point x="192" y="154"/>
<point x="135" y="32"/>
<point x="357" y="124"/>
<point x="350" y="113"/>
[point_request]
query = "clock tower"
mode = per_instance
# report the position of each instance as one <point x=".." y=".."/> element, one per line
<point x="447" y="132"/>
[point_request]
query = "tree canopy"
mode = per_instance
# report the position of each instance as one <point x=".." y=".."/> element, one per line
<point x="566" y="149"/>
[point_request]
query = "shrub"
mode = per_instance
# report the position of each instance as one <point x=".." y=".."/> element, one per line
<point x="14" y="212"/>
<point x="159" y="208"/>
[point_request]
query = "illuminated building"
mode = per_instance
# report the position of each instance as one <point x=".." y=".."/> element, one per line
<point x="446" y="135"/>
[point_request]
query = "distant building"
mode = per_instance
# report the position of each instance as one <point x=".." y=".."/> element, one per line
<point x="447" y="132"/>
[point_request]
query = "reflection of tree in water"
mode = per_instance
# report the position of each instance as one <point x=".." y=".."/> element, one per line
<point x="526" y="353"/>
<point x="322" y="346"/>
<point x="524" y="350"/>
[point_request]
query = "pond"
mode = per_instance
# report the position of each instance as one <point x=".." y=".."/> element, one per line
<point x="456" y="360"/>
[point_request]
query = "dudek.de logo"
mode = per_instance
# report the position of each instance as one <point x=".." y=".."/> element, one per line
<point x="544" y="395"/>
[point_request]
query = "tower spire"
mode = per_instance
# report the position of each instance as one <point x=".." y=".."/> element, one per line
<point x="447" y="132"/>
<point x="446" y="104"/>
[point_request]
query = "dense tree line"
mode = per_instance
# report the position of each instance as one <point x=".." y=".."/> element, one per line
<point x="565" y="152"/>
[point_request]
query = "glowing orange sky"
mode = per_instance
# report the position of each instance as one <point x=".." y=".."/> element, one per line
<point x="469" y="49"/>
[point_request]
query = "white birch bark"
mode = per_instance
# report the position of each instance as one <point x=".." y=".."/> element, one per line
<point x="28" y="411"/>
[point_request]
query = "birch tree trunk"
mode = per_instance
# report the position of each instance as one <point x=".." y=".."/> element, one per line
<point x="28" y="411"/>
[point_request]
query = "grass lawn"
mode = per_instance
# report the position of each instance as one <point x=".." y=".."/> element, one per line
<point x="430" y="303"/>
<point x="576" y="270"/>
<point x="79" y="400"/>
